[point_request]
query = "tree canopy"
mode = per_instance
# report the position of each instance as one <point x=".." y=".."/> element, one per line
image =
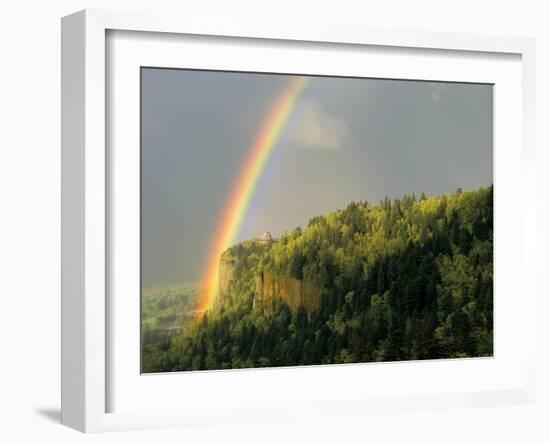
<point x="405" y="279"/>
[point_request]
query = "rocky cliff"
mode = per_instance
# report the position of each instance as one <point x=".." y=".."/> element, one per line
<point x="225" y="277"/>
<point x="292" y="291"/>
<point x="242" y="262"/>
<point x="269" y="287"/>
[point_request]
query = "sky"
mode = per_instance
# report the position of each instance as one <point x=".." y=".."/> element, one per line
<point x="347" y="139"/>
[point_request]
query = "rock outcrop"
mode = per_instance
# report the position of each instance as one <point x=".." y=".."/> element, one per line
<point x="268" y="286"/>
<point x="292" y="291"/>
<point x="225" y="278"/>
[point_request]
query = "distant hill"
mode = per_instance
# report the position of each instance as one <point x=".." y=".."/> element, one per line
<point x="404" y="279"/>
<point x="165" y="310"/>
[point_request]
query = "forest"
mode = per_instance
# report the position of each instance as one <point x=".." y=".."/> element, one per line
<point x="402" y="279"/>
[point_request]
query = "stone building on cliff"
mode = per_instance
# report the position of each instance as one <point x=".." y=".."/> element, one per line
<point x="265" y="238"/>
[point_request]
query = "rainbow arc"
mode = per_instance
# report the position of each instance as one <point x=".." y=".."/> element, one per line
<point x="241" y="194"/>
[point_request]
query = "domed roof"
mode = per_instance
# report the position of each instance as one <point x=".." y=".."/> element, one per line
<point x="266" y="236"/>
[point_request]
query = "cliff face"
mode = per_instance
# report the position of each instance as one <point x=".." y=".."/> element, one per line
<point x="225" y="278"/>
<point x="292" y="291"/>
<point x="267" y="285"/>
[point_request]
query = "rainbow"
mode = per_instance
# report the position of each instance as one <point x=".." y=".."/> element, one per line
<point x="243" y="189"/>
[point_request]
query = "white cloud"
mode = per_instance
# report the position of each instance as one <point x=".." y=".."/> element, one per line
<point x="438" y="90"/>
<point x="316" y="129"/>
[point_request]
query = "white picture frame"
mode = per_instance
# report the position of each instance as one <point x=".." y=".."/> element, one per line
<point x="85" y="200"/>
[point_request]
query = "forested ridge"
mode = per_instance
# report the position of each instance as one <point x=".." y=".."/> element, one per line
<point x="405" y="279"/>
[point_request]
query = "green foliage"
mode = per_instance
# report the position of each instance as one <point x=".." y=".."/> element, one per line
<point x="402" y="280"/>
<point x="165" y="311"/>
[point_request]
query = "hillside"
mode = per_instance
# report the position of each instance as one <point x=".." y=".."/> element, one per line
<point x="165" y="311"/>
<point x="400" y="280"/>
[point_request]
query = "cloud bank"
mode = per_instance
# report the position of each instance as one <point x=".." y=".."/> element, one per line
<point x="316" y="129"/>
<point x="438" y="89"/>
